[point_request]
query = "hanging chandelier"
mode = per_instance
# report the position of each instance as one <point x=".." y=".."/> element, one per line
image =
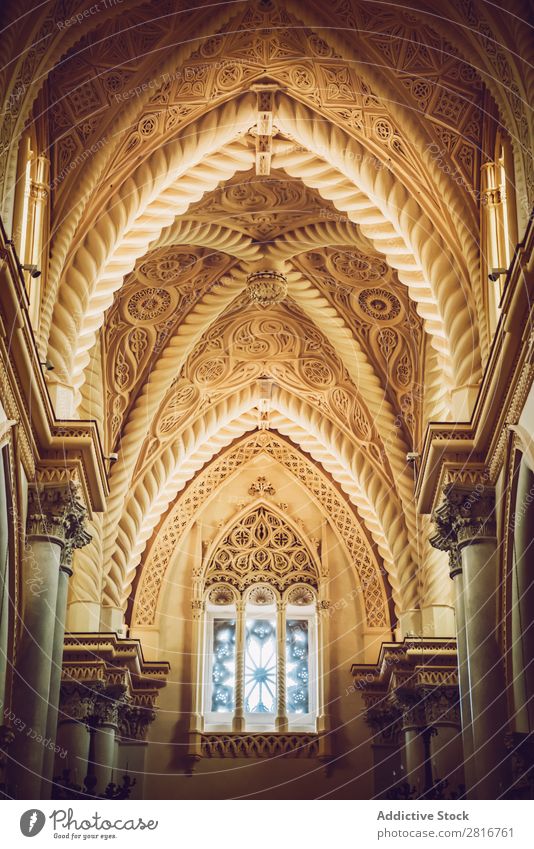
<point x="267" y="287"/>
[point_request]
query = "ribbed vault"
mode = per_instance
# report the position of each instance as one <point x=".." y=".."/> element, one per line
<point x="316" y="484"/>
<point x="272" y="131"/>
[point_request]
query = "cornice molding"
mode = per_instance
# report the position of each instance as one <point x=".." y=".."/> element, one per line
<point x="463" y="448"/>
<point x="25" y="396"/>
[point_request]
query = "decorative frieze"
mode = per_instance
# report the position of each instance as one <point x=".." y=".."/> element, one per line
<point x="269" y="745"/>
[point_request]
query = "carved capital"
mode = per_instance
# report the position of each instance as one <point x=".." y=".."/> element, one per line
<point x="77" y="702"/>
<point x="384" y="721"/>
<point x="106" y="710"/>
<point x="56" y="514"/>
<point x="76" y="535"/>
<point x="466" y="516"/>
<point x="410" y="704"/>
<point x="442" y="706"/>
<point x="134" y="721"/>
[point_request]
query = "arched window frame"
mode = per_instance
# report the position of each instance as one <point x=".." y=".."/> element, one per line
<point x="298" y="603"/>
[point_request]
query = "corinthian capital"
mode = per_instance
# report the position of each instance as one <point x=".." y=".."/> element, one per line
<point x="75" y="520"/>
<point x="134" y="722"/>
<point x="56" y="513"/>
<point x="466" y="516"/>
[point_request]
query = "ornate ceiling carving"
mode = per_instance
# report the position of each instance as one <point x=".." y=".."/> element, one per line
<point x="167" y="540"/>
<point x="261" y="546"/>
<point x="157" y="212"/>
<point x="147" y="311"/>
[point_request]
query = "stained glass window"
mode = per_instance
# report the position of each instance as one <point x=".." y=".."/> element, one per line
<point x="223" y="668"/>
<point x="260" y="666"/>
<point x="297" y="665"/>
<point x="246" y="654"/>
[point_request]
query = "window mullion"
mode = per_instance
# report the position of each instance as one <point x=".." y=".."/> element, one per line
<point x="281" y="719"/>
<point x="198" y="607"/>
<point x="239" y="716"/>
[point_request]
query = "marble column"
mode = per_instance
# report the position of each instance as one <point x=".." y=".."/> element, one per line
<point x="409" y="703"/>
<point x="445" y="539"/>
<point x="522" y="616"/>
<point x="323" y="652"/>
<point x="55" y="679"/>
<point x="281" y="719"/>
<point x="134" y="722"/>
<point x="239" y="715"/>
<point x="45" y="538"/>
<point x="196" y="724"/>
<point x="54" y="529"/>
<point x="76" y="537"/>
<point x="466" y="525"/>
<point x="102" y="762"/>
<point x="388" y="770"/>
<point x="77" y="701"/>
<point x="442" y="713"/>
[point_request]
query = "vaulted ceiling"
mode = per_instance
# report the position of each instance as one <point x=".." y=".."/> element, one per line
<point x="167" y="189"/>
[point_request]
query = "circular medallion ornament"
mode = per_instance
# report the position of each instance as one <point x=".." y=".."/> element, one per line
<point x="168" y="268"/>
<point x="148" y="304"/>
<point x="379" y="304"/>
<point x="267" y="287"/>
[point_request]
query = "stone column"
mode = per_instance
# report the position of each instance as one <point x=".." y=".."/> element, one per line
<point x="197" y="665"/>
<point x="105" y="721"/>
<point x="410" y="705"/>
<point x="77" y="701"/>
<point x="388" y="771"/>
<point x="75" y="538"/>
<point x="239" y="715"/>
<point x="281" y="718"/>
<point x="45" y="538"/>
<point x="323" y="646"/>
<point x="442" y="713"/>
<point x="466" y="526"/>
<point x="134" y="722"/>
<point x="522" y="616"/>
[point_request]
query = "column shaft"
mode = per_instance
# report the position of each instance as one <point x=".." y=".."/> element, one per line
<point x="32" y="677"/>
<point x="523" y="601"/>
<point x="486" y="670"/>
<point x="239" y="715"/>
<point x="281" y="719"/>
<point x="55" y="679"/>
<point x="464" y="685"/>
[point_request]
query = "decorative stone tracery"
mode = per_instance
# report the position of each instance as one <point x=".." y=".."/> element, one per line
<point x="343" y="520"/>
<point x="261" y="546"/>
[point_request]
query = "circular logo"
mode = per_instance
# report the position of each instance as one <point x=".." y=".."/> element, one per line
<point x="32" y="822"/>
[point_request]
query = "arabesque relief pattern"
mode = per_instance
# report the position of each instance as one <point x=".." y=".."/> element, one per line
<point x="162" y="548"/>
